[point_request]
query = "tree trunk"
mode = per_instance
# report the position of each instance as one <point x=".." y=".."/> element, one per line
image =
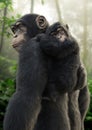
<point x="32" y="6"/>
<point x="3" y="29"/>
<point x="58" y="10"/>
<point x="85" y="50"/>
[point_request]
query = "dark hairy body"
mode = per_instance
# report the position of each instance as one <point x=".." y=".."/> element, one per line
<point x="24" y="106"/>
<point x="67" y="73"/>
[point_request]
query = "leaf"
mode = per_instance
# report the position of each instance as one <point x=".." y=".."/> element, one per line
<point x="89" y="118"/>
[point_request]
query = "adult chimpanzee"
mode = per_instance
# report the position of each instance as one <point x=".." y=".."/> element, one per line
<point x="66" y="71"/>
<point x="45" y="120"/>
<point x="25" y="104"/>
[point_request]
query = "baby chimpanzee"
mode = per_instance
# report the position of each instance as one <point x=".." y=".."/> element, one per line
<point x="63" y="49"/>
<point x="65" y="71"/>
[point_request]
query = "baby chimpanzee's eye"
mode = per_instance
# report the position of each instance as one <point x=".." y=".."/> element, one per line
<point x="62" y="32"/>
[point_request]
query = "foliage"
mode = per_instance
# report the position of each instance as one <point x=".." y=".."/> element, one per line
<point x="4" y="3"/>
<point x="89" y="114"/>
<point x="8" y="68"/>
<point x="6" y="90"/>
<point x="88" y="119"/>
<point x="6" y="20"/>
<point x="7" y="83"/>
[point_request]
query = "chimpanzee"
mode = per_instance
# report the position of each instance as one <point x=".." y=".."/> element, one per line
<point x="25" y="104"/>
<point x="67" y="74"/>
<point x="51" y="110"/>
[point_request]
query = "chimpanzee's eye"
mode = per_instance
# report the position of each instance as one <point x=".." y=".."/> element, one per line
<point x="59" y="29"/>
<point x="21" y="27"/>
<point x="62" y="32"/>
<point x="13" y="28"/>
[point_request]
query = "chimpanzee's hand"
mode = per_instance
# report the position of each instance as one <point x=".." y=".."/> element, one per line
<point x="82" y="77"/>
<point x="48" y="44"/>
<point x="40" y="37"/>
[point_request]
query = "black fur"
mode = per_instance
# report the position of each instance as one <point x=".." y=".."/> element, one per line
<point x="66" y="74"/>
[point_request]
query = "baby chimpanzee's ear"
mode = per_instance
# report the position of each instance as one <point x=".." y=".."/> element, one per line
<point x="67" y="26"/>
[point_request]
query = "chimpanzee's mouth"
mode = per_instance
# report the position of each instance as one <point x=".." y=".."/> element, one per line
<point x="17" y="47"/>
<point x="14" y="45"/>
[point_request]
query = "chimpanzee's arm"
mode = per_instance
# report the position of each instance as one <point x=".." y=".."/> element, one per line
<point x="54" y="47"/>
<point x="66" y="73"/>
<point x="25" y="104"/>
<point x="82" y="77"/>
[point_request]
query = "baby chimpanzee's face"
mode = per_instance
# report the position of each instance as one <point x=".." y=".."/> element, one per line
<point x="60" y="34"/>
<point x="59" y="31"/>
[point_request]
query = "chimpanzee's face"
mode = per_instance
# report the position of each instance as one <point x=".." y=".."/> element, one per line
<point x="60" y="34"/>
<point x="20" y="35"/>
<point x="26" y="28"/>
<point x="59" y="31"/>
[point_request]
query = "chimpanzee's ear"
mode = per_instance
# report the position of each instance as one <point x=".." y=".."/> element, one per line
<point x="41" y="22"/>
<point x="67" y="26"/>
